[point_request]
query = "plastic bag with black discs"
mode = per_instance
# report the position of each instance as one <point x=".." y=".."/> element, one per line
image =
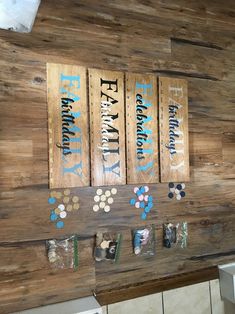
<point x="175" y="235"/>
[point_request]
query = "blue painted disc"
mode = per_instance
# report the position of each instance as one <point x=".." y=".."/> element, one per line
<point x="138" y="193"/>
<point x="51" y="200"/>
<point x="142" y="189"/>
<point x="171" y="185"/>
<point x="132" y="201"/>
<point x="143" y="216"/>
<point x="150" y="199"/>
<point x="147" y="209"/>
<point x="182" y="193"/>
<point x="170" y="195"/>
<point x="142" y="205"/>
<point x="53" y="216"/>
<point x="60" y="224"/>
<point x="150" y="205"/>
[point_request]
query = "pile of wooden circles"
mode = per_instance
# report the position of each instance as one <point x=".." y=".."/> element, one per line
<point x="103" y="199"/>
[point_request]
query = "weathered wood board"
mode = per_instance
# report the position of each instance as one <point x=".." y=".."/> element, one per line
<point x="35" y="282"/>
<point x="173" y="123"/>
<point x="197" y="255"/>
<point x="68" y="126"/>
<point x="169" y="40"/>
<point x="107" y="127"/>
<point x="141" y="129"/>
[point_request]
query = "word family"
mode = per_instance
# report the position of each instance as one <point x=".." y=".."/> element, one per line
<point x="144" y="142"/>
<point x="114" y="128"/>
<point x="71" y="133"/>
<point x="109" y="133"/>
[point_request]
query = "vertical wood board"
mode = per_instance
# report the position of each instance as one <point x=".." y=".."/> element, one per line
<point x="67" y="126"/>
<point x="173" y="117"/>
<point x="107" y="127"/>
<point x="141" y="129"/>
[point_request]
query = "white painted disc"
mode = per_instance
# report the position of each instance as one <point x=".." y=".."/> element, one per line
<point x="107" y="193"/>
<point x="107" y="208"/>
<point x="63" y="214"/>
<point x="102" y="204"/>
<point x="61" y="207"/>
<point x="96" y="208"/>
<point x="178" y="197"/>
<point x="97" y="198"/>
<point x="103" y="198"/>
<point x="110" y="200"/>
<point x="114" y="191"/>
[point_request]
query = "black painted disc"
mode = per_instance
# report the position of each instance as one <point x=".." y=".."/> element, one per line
<point x="179" y="186"/>
<point x="170" y="195"/>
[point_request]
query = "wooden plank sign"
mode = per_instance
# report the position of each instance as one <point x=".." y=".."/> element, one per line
<point x="141" y="129"/>
<point x="173" y="114"/>
<point x="68" y="126"/>
<point x="107" y="127"/>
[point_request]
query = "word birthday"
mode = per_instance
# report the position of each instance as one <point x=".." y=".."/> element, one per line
<point x="71" y="133"/>
<point x="109" y="134"/>
<point x="144" y="142"/>
<point x="176" y="136"/>
<point x="107" y="129"/>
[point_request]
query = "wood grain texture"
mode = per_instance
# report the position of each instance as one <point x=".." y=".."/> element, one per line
<point x="189" y="40"/>
<point x="140" y="269"/>
<point x="155" y="286"/>
<point x="69" y="164"/>
<point x="33" y="222"/>
<point x="107" y="127"/>
<point x="27" y="274"/>
<point x="141" y="129"/>
<point x="173" y="125"/>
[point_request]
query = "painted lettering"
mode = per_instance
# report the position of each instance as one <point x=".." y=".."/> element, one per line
<point x="109" y="132"/>
<point x="115" y="167"/>
<point x="144" y="143"/>
<point x="176" y="136"/>
<point x="71" y="142"/>
<point x="110" y="83"/>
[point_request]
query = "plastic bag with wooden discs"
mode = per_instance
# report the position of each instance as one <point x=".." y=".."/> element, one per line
<point x="107" y="246"/>
<point x="63" y="254"/>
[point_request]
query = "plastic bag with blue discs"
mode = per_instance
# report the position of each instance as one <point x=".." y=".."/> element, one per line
<point x="144" y="241"/>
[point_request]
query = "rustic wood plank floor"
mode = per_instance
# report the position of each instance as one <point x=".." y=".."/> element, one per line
<point x="187" y="39"/>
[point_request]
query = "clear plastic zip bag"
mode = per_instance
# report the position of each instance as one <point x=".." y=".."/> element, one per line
<point x="144" y="241"/>
<point x="175" y="235"/>
<point x="63" y="254"/>
<point x="107" y="246"/>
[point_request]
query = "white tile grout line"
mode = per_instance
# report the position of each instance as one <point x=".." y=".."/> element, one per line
<point x="210" y="296"/>
<point x="163" y="311"/>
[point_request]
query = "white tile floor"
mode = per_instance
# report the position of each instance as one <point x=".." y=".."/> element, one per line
<point x="217" y="305"/>
<point x="196" y="298"/>
<point x="104" y="309"/>
<point x="151" y="304"/>
<point x="203" y="298"/>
